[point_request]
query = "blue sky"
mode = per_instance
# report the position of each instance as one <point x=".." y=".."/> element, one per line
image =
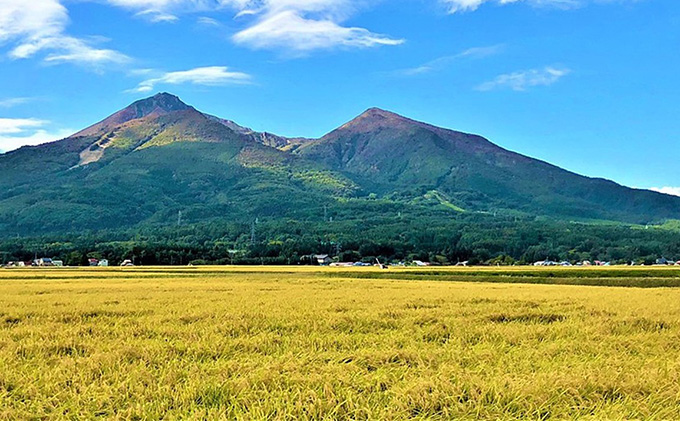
<point x="589" y="85"/>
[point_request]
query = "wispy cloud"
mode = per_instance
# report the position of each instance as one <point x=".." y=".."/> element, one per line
<point x="157" y="16"/>
<point x="521" y="81"/>
<point x="289" y="29"/>
<point x="293" y="27"/>
<point x="481" y="52"/>
<point x="36" y="26"/>
<point x="673" y="191"/>
<point x="207" y="76"/>
<point x="455" y="6"/>
<point x="38" y="137"/>
<point x="18" y="125"/>
<point x="442" y="62"/>
<point x="206" y="21"/>
<point x="297" y="26"/>
<point x="18" y="132"/>
<point x="160" y="10"/>
<point x="73" y="50"/>
<point x="13" y="102"/>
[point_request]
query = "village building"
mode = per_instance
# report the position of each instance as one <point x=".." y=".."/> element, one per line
<point x="323" y="259"/>
<point x="44" y="261"/>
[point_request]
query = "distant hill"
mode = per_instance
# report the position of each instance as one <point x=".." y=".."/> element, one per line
<point x="144" y="164"/>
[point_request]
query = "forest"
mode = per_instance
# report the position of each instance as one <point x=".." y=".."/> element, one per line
<point x="479" y="239"/>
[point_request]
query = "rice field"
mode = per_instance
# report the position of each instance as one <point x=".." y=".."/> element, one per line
<point x="336" y="343"/>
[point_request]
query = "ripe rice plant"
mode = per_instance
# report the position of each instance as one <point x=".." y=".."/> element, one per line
<point x="325" y="343"/>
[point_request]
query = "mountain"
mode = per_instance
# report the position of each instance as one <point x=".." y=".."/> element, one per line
<point x="394" y="153"/>
<point x="143" y="165"/>
<point x="158" y="105"/>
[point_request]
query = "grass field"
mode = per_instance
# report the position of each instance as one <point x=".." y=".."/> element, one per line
<point x="320" y="343"/>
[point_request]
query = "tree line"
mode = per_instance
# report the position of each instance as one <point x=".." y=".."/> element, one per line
<point x="475" y="238"/>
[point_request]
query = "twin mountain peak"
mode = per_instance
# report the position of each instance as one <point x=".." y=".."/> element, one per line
<point x="165" y="103"/>
<point x="160" y="154"/>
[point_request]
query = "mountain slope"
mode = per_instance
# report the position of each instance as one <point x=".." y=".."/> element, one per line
<point x="394" y="153"/>
<point x="157" y="105"/>
<point x="159" y="156"/>
<point x="146" y="163"/>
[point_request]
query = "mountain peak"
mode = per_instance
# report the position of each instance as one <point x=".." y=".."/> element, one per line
<point x="165" y="95"/>
<point x="376" y="112"/>
<point x="374" y="118"/>
<point x="160" y="104"/>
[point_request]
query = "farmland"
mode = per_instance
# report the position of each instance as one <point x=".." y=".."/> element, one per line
<point x="312" y="343"/>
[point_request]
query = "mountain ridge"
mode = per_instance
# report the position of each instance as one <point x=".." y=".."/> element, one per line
<point x="160" y="155"/>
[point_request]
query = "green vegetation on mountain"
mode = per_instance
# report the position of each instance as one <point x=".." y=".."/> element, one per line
<point x="392" y="153"/>
<point x="382" y="181"/>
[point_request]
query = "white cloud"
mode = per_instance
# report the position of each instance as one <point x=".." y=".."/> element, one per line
<point x="69" y="49"/>
<point x="287" y="29"/>
<point x="32" y="19"/>
<point x="442" y="62"/>
<point x="204" y="20"/>
<point x="17" y="132"/>
<point x="35" y="26"/>
<point x="673" y="191"/>
<point x="455" y="6"/>
<point x="481" y="52"/>
<point x="157" y="16"/>
<point x="13" y="102"/>
<point x="208" y="76"/>
<point x="140" y="72"/>
<point x="300" y="26"/>
<point x="19" y="125"/>
<point x="38" y="137"/>
<point x="289" y="25"/>
<point x="165" y="5"/>
<point x="305" y="25"/>
<point x="521" y="81"/>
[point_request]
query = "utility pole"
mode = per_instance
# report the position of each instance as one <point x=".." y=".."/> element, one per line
<point x="179" y="218"/>
<point x="325" y="213"/>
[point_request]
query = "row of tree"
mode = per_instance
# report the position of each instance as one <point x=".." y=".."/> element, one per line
<point x="476" y="238"/>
